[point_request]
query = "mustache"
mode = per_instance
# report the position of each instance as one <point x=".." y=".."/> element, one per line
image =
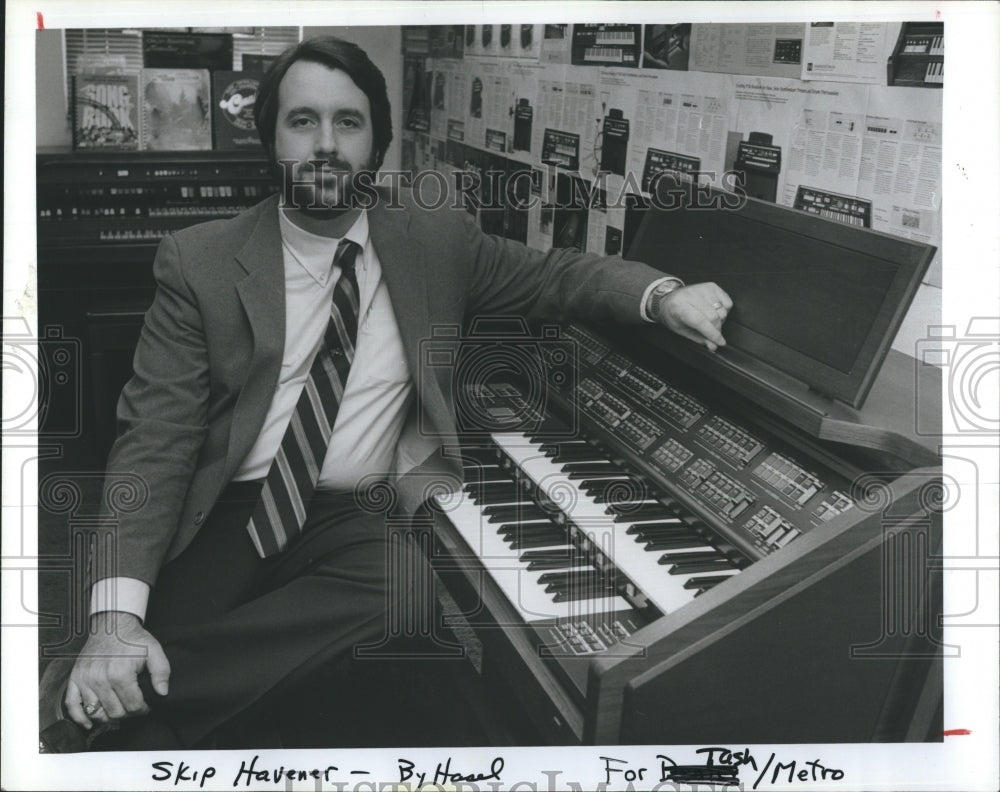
<point x="333" y="164"/>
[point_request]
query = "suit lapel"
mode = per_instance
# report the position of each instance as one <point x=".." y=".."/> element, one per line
<point x="405" y="269"/>
<point x="261" y="288"/>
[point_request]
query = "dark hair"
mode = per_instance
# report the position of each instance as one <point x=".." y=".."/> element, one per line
<point x="334" y="53"/>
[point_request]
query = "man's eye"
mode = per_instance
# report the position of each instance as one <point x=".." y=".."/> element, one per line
<point x="349" y="122"/>
<point x="301" y="122"/>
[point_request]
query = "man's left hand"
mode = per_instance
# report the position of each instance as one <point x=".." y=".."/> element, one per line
<point x="696" y="312"/>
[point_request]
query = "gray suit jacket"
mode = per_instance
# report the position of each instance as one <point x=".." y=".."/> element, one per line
<point x="210" y="351"/>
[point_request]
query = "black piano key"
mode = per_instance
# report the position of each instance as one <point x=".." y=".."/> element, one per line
<point x="513" y="526"/>
<point x="512" y="512"/>
<point x="690" y="567"/>
<point x="600" y="481"/>
<point x="588" y="578"/>
<point x="576" y="595"/>
<point x="671" y="542"/>
<point x="525" y="542"/>
<point x="563" y="558"/>
<point x="576" y="453"/>
<point x="615" y="494"/>
<point x="580" y="585"/>
<point x="534" y="529"/>
<point x="689" y="558"/>
<point x="527" y="527"/>
<point x="629" y="513"/>
<point x="553" y="446"/>
<point x="492" y="491"/>
<point x="673" y="526"/>
<point x="584" y="470"/>
<point x="705" y="582"/>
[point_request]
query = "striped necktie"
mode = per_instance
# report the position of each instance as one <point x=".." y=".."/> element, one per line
<point x="291" y="481"/>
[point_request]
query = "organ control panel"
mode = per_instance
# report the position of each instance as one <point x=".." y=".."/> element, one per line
<point x="140" y="197"/>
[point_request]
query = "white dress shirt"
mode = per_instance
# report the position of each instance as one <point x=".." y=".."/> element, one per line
<point x="379" y="388"/>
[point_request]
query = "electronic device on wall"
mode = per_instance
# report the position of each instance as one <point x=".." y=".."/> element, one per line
<point x="614" y="142"/>
<point x="439" y="83"/>
<point x="847" y="209"/>
<point x="659" y="161"/>
<point x="612" y="241"/>
<point x="760" y="162"/>
<point x="571" y="213"/>
<point x="476" y="98"/>
<point x="606" y="45"/>
<point x="523" y="115"/>
<point x="561" y="149"/>
<point x="917" y="60"/>
<point x="527" y="35"/>
<point x="788" y="50"/>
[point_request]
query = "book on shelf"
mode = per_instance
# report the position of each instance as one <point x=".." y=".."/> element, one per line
<point x="106" y="112"/>
<point x="234" y="95"/>
<point x="176" y="110"/>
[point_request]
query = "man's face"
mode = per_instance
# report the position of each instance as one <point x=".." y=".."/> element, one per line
<point x="323" y="115"/>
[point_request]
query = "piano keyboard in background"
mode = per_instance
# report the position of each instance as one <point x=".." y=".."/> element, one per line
<point x="847" y="209"/>
<point x="918" y="57"/>
<point x="608" y="44"/>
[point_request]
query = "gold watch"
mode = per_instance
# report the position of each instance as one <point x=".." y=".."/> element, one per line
<point x="658" y="293"/>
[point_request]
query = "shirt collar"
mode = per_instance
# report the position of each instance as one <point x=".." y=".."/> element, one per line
<point x="315" y="252"/>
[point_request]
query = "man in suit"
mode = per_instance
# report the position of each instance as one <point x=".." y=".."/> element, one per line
<point x="232" y="581"/>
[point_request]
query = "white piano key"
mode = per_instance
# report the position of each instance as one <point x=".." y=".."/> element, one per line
<point x="642" y="566"/>
<point x="520" y="585"/>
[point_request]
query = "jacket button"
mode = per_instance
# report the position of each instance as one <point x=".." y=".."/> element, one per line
<point x="199" y="518"/>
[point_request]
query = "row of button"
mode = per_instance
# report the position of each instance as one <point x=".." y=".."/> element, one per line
<point x="837" y="503"/>
<point x="787" y="478"/>
<point x="670" y="456"/>
<point x="731" y="441"/>
<point x="679" y="407"/>
<point x="773" y="531"/>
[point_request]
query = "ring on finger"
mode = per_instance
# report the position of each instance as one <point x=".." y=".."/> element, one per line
<point x="92" y="707"/>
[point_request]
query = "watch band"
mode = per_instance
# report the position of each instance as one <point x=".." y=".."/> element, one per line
<point x="659" y="292"/>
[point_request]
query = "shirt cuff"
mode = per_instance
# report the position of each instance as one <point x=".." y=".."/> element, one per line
<point x="644" y="305"/>
<point x="120" y="594"/>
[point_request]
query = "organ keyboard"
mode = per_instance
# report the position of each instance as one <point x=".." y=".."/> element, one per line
<point x="669" y="520"/>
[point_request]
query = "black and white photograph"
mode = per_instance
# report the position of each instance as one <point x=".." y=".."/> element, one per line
<point x="397" y="396"/>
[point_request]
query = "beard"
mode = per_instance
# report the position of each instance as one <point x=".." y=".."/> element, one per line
<point x="319" y="187"/>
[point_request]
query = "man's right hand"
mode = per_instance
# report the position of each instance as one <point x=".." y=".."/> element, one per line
<point x="107" y="670"/>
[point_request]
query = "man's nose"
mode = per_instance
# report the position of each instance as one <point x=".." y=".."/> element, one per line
<point x="326" y="139"/>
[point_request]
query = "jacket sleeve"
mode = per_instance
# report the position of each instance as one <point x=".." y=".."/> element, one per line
<point x="162" y="416"/>
<point x="510" y="278"/>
